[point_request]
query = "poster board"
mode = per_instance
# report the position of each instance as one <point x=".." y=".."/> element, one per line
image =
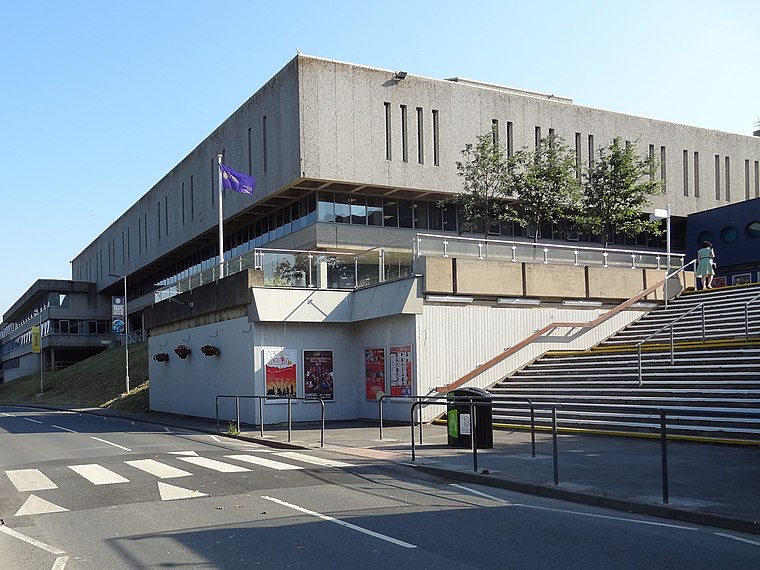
<point x="319" y="382"/>
<point x="741" y="279"/>
<point x="280" y="373"/>
<point x="400" y="369"/>
<point x="374" y="373"/>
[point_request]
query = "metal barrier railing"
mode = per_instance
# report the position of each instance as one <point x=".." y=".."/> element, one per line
<point x="426" y="244"/>
<point x="671" y="326"/>
<point x="261" y="399"/>
<point x="658" y="413"/>
<point x="453" y="400"/>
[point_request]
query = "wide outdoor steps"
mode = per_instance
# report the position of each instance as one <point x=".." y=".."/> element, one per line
<point x="706" y="388"/>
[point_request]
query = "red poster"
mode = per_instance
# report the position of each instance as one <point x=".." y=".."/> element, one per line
<point x="400" y="370"/>
<point x="374" y="371"/>
<point x="280" y="372"/>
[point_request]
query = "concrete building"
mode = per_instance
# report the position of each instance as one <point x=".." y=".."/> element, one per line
<point x="352" y="165"/>
<point x="74" y="323"/>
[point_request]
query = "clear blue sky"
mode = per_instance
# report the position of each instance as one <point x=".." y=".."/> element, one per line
<point x="99" y="99"/>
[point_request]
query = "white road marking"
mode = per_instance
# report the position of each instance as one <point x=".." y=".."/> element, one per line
<point x="569" y="512"/>
<point x="216" y="439"/>
<point x="36" y="506"/>
<point x="34" y="421"/>
<point x="342" y="523"/>
<point x="172" y="492"/>
<point x="97" y="474"/>
<point x="192" y="453"/>
<point x="214" y="464"/>
<point x="160" y="470"/>
<point x="280" y="466"/>
<point x="64" y="429"/>
<point x="110" y="443"/>
<point x="740" y="539"/>
<point x="32" y="541"/>
<point x="30" y="480"/>
<point x="60" y="563"/>
<point x="314" y="460"/>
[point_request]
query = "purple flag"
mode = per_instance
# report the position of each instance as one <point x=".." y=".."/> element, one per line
<point x="237" y="181"/>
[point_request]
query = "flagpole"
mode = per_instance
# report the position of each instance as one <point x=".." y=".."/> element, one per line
<point x="221" y="220"/>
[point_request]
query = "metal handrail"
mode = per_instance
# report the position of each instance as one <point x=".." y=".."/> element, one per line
<point x="542" y="245"/>
<point x="261" y="411"/>
<point x="553" y="326"/>
<point x="670" y="326"/>
<point x="746" y="315"/>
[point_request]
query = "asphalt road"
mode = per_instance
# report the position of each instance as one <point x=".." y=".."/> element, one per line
<point x="78" y="491"/>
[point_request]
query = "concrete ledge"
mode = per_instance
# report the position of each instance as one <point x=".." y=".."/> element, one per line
<point x="490" y="278"/>
<point x="438" y="272"/>
<point x="622" y="283"/>
<point x="547" y="280"/>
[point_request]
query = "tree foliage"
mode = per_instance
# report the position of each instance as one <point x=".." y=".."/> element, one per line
<point x="485" y="173"/>
<point x="617" y="187"/>
<point x="544" y="183"/>
<point x="541" y="186"/>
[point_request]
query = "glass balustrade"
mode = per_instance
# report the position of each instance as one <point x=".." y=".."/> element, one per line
<point x="348" y="271"/>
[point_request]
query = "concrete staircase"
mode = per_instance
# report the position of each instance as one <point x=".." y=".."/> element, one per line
<point x="708" y="388"/>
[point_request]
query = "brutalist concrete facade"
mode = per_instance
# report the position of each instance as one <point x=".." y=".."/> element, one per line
<point x="337" y="127"/>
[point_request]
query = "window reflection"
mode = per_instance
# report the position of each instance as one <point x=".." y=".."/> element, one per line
<point x="360" y="210"/>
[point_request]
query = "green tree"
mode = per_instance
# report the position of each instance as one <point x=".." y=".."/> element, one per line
<point x="486" y="177"/>
<point x="545" y="184"/>
<point x="617" y="187"/>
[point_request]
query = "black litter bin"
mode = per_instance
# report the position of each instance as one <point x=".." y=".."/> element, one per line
<point x="459" y="421"/>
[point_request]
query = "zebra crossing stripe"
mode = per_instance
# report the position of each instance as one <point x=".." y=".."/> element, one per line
<point x="98" y="475"/>
<point x="160" y="470"/>
<point x="30" y="480"/>
<point x="214" y="464"/>
<point x="172" y="492"/>
<point x="313" y="460"/>
<point x="264" y="462"/>
<point x="36" y="506"/>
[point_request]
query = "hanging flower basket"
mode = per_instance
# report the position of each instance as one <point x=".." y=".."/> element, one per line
<point x="182" y="351"/>
<point x="161" y="357"/>
<point x="210" y="350"/>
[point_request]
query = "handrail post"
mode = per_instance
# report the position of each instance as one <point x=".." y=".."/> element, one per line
<point x="641" y="379"/>
<point x="411" y="424"/>
<point x="664" y="451"/>
<point x="380" y="406"/>
<point x="261" y="415"/>
<point x="473" y="436"/>
<point x="746" y="322"/>
<point x="290" y="418"/>
<point x="237" y="412"/>
<point x="322" y="437"/>
<point x="554" y="444"/>
<point x="704" y="332"/>
<point x="532" y="430"/>
<point x="672" y="345"/>
<point x="419" y="411"/>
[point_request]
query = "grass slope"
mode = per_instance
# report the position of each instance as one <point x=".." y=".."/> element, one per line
<point x="98" y="381"/>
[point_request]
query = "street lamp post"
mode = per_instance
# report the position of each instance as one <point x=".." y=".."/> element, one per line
<point x="126" y="328"/>
<point x="660" y="213"/>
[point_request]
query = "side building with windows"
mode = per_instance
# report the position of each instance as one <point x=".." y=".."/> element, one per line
<point x="73" y="320"/>
<point x="734" y="231"/>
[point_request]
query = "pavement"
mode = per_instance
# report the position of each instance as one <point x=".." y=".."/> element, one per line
<point x="712" y="484"/>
